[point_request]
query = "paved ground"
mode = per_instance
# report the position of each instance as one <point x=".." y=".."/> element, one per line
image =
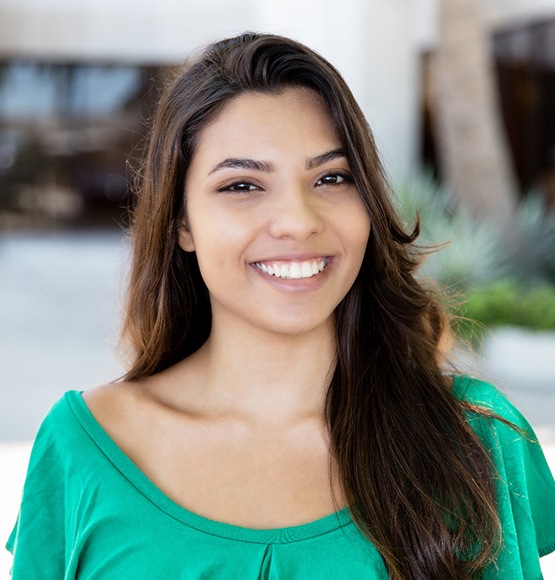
<point x="58" y="326"/>
<point x="58" y="322"/>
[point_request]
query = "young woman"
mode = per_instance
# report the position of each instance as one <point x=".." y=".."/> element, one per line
<point x="286" y="413"/>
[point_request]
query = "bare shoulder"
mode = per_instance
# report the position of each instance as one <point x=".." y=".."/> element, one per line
<point x="110" y="403"/>
<point x="126" y="404"/>
<point x="142" y="417"/>
<point x="130" y="416"/>
<point x="105" y="398"/>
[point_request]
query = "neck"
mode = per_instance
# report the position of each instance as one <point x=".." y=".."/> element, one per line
<point x="273" y="377"/>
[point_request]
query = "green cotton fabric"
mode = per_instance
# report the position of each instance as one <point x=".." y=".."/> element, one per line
<point x="88" y="512"/>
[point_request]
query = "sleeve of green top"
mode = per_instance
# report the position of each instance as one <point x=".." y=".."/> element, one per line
<point x="38" y="538"/>
<point x="525" y="485"/>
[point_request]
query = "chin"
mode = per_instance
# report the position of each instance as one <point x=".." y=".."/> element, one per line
<point x="296" y="326"/>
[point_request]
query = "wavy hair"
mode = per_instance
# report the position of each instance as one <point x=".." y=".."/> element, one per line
<point x="417" y="480"/>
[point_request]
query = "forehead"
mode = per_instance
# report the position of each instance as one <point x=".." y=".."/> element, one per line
<point x="254" y="123"/>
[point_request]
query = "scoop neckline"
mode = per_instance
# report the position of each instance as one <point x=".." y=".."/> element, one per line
<point x="140" y="481"/>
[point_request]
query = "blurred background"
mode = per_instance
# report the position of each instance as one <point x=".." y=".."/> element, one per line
<point x="460" y="95"/>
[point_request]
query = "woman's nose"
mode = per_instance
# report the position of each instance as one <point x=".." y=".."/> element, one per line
<point x="295" y="214"/>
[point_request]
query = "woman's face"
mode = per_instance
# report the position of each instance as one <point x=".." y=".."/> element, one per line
<point x="277" y="224"/>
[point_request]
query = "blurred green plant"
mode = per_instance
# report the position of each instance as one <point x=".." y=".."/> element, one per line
<point x="507" y="302"/>
<point x="530" y="259"/>
<point x="495" y="278"/>
<point x="465" y="252"/>
<point x="462" y="252"/>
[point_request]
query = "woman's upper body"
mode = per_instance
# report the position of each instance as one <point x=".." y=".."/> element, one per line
<point x="247" y="408"/>
<point x="286" y="364"/>
<point x="90" y="511"/>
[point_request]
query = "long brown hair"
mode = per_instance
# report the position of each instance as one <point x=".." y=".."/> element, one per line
<point x="418" y="481"/>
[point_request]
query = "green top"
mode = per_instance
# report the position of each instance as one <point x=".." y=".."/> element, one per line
<point x="88" y="511"/>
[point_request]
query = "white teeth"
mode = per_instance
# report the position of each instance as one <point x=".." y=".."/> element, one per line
<point x="294" y="270"/>
<point x="306" y="270"/>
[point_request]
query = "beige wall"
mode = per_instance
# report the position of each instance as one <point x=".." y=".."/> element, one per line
<point x="374" y="43"/>
<point x="501" y="13"/>
<point x="504" y="12"/>
<point x="370" y="41"/>
<point x="161" y="31"/>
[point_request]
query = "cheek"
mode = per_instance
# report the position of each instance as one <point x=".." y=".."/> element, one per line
<point x="220" y="248"/>
<point x="359" y="241"/>
<point x="359" y="230"/>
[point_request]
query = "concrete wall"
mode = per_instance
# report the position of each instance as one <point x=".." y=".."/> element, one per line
<point x="161" y="31"/>
<point x="374" y="43"/>
<point x="508" y="12"/>
<point x="370" y="41"/>
<point x="501" y="13"/>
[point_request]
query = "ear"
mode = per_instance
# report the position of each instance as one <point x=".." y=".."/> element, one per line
<point x="185" y="239"/>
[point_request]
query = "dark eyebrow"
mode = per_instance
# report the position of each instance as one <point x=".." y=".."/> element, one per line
<point x="325" y="157"/>
<point x="268" y="167"/>
<point x="243" y="163"/>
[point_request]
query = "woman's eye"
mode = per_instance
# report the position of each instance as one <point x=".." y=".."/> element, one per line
<point x="335" y="179"/>
<point x="239" y="187"/>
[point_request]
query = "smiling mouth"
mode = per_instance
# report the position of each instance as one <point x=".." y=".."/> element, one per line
<point x="293" y="270"/>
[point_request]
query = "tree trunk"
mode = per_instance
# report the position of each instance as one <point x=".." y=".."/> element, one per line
<point x="471" y="143"/>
